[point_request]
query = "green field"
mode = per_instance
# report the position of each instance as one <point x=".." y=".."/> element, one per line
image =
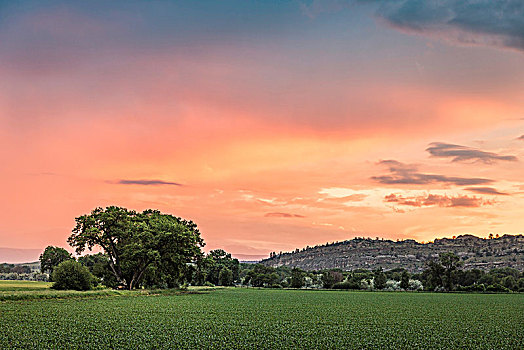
<point x="29" y="290"/>
<point x="23" y="285"/>
<point x="239" y="318"/>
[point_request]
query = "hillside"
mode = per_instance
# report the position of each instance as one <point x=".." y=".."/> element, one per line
<point x="505" y="251"/>
<point x="18" y="255"/>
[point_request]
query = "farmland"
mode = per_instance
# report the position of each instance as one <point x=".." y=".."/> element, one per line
<point x="252" y="318"/>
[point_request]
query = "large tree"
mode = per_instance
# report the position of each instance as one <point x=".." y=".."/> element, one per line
<point x="51" y="257"/>
<point x="137" y="242"/>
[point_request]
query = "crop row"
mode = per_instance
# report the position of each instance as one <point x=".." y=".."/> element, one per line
<point x="268" y="319"/>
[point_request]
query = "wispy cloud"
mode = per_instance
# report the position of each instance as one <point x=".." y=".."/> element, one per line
<point x="486" y="190"/>
<point x="358" y="197"/>
<point x="283" y="215"/>
<point x="437" y="200"/>
<point x="147" y="182"/>
<point x="405" y="174"/>
<point x="463" y="153"/>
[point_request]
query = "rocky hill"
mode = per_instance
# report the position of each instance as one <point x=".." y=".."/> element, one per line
<point x="366" y="253"/>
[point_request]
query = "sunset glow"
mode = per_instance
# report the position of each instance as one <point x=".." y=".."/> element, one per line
<point x="272" y="125"/>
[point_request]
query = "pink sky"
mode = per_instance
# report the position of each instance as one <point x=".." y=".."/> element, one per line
<point x="277" y="140"/>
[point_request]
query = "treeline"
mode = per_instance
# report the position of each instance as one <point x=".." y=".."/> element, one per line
<point x="217" y="268"/>
<point x="150" y="249"/>
<point x="442" y="274"/>
<point x="20" y="272"/>
<point x="146" y="249"/>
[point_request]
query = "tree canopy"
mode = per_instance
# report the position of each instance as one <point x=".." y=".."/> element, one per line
<point x="219" y="263"/>
<point x="135" y="243"/>
<point x="51" y="257"/>
<point x="98" y="265"/>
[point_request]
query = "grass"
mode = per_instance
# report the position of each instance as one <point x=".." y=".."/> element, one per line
<point x="244" y="318"/>
<point x="23" y="285"/>
<point x="30" y="290"/>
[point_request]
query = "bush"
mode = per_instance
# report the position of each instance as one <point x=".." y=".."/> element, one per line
<point x="71" y="274"/>
<point x="472" y="288"/>
<point x="392" y="285"/>
<point x="367" y="284"/>
<point x="208" y="284"/>
<point x="415" y="285"/>
<point x="496" y="287"/>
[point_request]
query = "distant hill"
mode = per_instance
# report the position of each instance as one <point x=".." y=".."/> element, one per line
<point x="366" y="253"/>
<point x="19" y="255"/>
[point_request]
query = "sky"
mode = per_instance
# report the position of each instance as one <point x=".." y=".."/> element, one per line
<point x="273" y="125"/>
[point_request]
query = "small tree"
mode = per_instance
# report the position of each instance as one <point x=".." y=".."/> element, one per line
<point x="52" y="257"/>
<point x="450" y="262"/>
<point x="433" y="275"/>
<point x="225" y="277"/>
<point x="71" y="274"/>
<point x="510" y="283"/>
<point x="404" y="280"/>
<point x="297" y="278"/>
<point x="329" y="278"/>
<point x="215" y="261"/>
<point x="380" y="279"/>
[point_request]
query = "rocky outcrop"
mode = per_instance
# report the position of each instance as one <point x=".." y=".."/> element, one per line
<point x="367" y="253"/>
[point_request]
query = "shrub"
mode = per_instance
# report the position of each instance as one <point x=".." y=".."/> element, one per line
<point x="472" y="288"/>
<point x="479" y="287"/>
<point x="392" y="285"/>
<point x="366" y="284"/>
<point x="71" y="274"/>
<point x="415" y="285"/>
<point x="308" y="282"/>
<point x="208" y="284"/>
<point x="496" y="287"/>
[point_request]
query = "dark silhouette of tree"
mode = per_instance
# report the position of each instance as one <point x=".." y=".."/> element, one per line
<point x="297" y="278"/>
<point x="404" y="280"/>
<point x="379" y="279"/>
<point x="329" y="278"/>
<point x="261" y="276"/>
<point x="225" y="277"/>
<point x="450" y="262"/>
<point x="433" y="274"/>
